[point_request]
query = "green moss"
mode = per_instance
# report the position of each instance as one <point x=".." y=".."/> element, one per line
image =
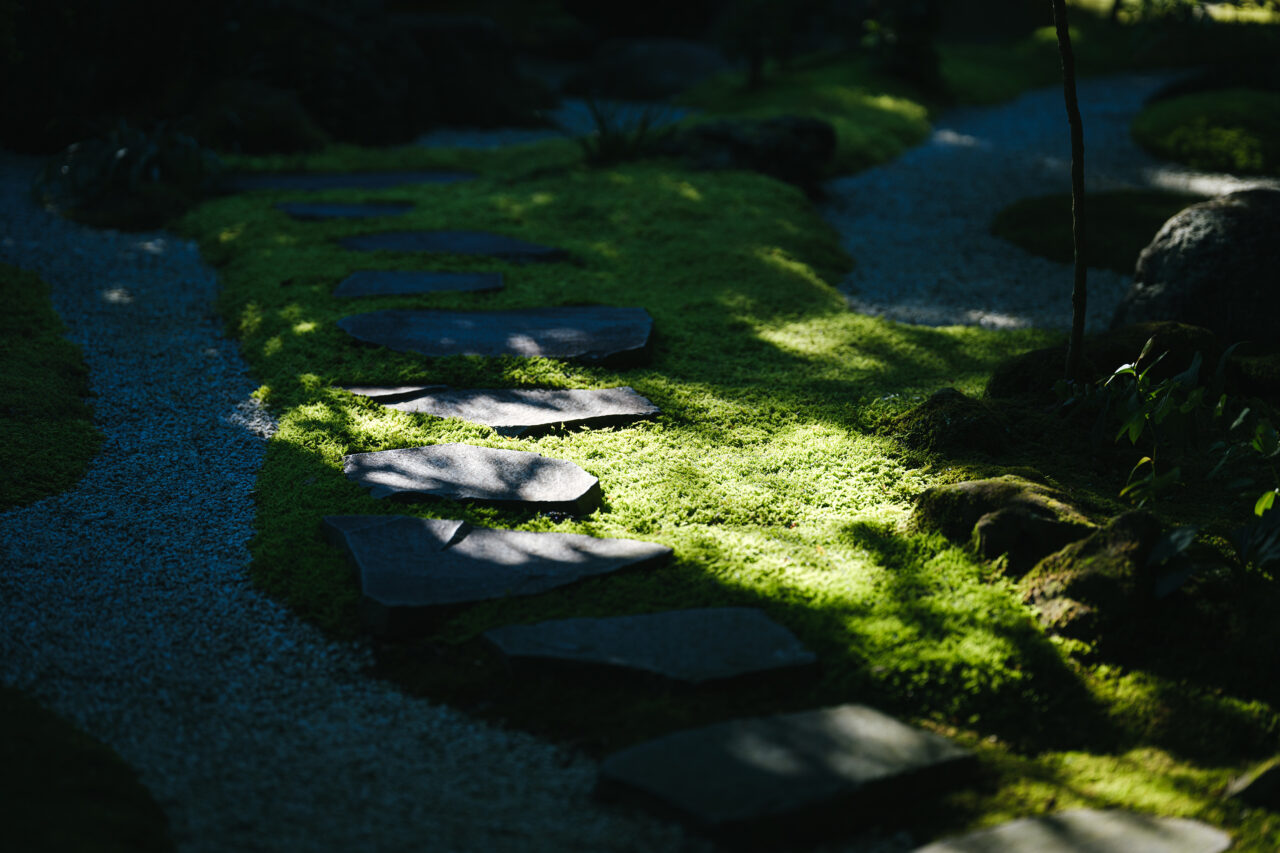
<point x="60" y="790"/>
<point x="1118" y="225"/>
<point x="770" y="473"/>
<point x="46" y="428"/>
<point x="875" y="119"/>
<point x="1232" y="130"/>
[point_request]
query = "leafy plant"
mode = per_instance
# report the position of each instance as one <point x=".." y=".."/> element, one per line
<point x="129" y="178"/>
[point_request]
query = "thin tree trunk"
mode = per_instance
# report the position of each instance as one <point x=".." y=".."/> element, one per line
<point x="1079" y="292"/>
<point x="1114" y="15"/>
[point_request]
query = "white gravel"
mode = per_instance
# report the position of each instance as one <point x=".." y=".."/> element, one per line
<point x="125" y="604"/>
<point x="918" y="227"/>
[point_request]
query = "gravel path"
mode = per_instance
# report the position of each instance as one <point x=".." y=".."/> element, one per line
<point x="125" y="606"/>
<point x="918" y="227"/>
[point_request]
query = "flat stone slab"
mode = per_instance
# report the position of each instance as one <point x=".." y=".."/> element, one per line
<point x="463" y="472"/>
<point x="746" y="775"/>
<point x="693" y="646"/>
<point x="410" y="568"/>
<point x="412" y="283"/>
<point x="521" y="411"/>
<point x="456" y="243"/>
<point x="249" y="181"/>
<point x="307" y="210"/>
<point x="599" y="334"/>
<point x="1089" y="831"/>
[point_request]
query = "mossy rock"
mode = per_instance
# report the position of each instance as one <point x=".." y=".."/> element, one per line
<point x="1091" y="586"/>
<point x="1023" y="536"/>
<point x="954" y="510"/>
<point x="1035" y="373"/>
<point x="949" y="422"/>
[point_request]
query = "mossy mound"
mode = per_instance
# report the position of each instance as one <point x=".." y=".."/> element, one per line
<point x="950" y="422"/>
<point x="61" y="790"/>
<point x="1087" y="587"/>
<point x="1229" y="130"/>
<point x="953" y="510"/>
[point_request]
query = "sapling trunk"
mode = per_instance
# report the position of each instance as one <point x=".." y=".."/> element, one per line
<point x="1079" y="292"/>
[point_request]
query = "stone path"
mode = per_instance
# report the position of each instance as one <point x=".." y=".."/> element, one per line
<point x="414" y="283"/>
<point x="488" y="475"/>
<point x="411" y="569"/>
<point x="1088" y="831"/>
<point x="692" y="646"/>
<point x="615" y="337"/>
<point x="519" y="412"/>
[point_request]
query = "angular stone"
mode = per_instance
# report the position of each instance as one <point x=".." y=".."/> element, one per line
<point x="600" y="334"/>
<point x="412" y="283"/>
<point x="304" y="181"/>
<point x="754" y="775"/>
<point x="410" y="568"/>
<point x="1089" y="831"/>
<point x="693" y="646"/>
<point x="456" y="243"/>
<point x="520" y="411"/>
<point x="307" y="210"/>
<point x="462" y="472"/>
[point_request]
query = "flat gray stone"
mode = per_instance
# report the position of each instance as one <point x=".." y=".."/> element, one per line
<point x="303" y="181"/>
<point x="412" y="283"/>
<point x="521" y="411"/>
<point x="693" y="646"/>
<point x="751" y="774"/>
<point x="1089" y="831"/>
<point x="456" y="243"/>
<point x="599" y="334"/>
<point x="307" y="210"/>
<point x="412" y="568"/>
<point x="463" y="472"/>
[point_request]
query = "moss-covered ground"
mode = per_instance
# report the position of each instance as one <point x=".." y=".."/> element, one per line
<point x="772" y="473"/>
<point x="1118" y="225"/>
<point x="45" y="424"/>
<point x="1228" y="130"/>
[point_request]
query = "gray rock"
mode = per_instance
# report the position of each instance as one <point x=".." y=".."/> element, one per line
<point x="412" y="282"/>
<point x="616" y="337"/>
<point x="410" y="568"/>
<point x="462" y="472"/>
<point x="693" y="646"/>
<point x="751" y="775"/>
<point x="318" y="210"/>
<point x="455" y="243"/>
<point x="304" y="181"/>
<point x="520" y="411"/>
<point x="1089" y="831"/>
<point x="1216" y="265"/>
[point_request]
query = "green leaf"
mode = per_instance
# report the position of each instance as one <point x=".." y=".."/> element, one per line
<point x="1265" y="502"/>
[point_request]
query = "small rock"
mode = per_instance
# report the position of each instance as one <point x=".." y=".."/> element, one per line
<point x="955" y="509"/>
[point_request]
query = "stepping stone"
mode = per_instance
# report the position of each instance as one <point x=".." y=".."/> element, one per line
<point x="456" y="243"/>
<point x="785" y="773"/>
<point x="1089" y="831"/>
<point x="307" y="210"/>
<point x="462" y="472"/>
<point x="249" y="181"/>
<point x="412" y="568"/>
<point x="693" y="646"/>
<point x="593" y="333"/>
<point x="411" y="283"/>
<point x="521" y="411"/>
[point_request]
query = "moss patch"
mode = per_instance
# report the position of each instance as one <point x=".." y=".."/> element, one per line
<point x="1118" y="225"/>
<point x="60" y="790"/>
<point x="1233" y="130"/>
<point x="46" y="427"/>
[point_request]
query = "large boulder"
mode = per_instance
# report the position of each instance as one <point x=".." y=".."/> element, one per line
<point x="955" y="510"/>
<point x="1215" y="264"/>
<point x="646" y="69"/>
<point x="795" y="149"/>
